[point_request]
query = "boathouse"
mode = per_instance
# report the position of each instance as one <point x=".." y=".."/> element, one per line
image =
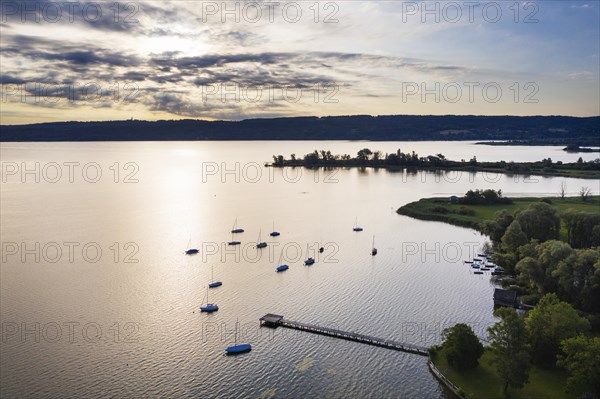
<point x="505" y="298"/>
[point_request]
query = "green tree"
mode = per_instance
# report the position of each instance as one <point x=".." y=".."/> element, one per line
<point x="581" y="359"/>
<point x="550" y="322"/>
<point x="530" y="273"/>
<point x="462" y="347"/>
<point x="575" y="277"/>
<point x="540" y="221"/>
<point x="507" y="341"/>
<point x="514" y="237"/>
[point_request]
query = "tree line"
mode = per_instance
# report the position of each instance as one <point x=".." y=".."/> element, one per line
<point x="368" y="158"/>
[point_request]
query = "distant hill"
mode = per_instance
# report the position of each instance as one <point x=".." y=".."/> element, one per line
<point x="552" y="129"/>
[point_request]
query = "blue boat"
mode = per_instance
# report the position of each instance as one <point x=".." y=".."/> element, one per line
<point x="209" y="307"/>
<point x="235" y="229"/>
<point x="233" y="243"/>
<point x="214" y="283"/>
<point x="274" y="233"/>
<point x="475" y="266"/>
<point x="476" y="259"/>
<point x="321" y="250"/>
<point x="260" y="244"/>
<point x="192" y="251"/>
<point x="282" y="268"/>
<point x="356" y="227"/>
<point x="237" y="349"/>
<point x="477" y="272"/>
<point x="309" y="261"/>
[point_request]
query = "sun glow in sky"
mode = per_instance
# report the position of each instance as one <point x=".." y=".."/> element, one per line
<point x="245" y="59"/>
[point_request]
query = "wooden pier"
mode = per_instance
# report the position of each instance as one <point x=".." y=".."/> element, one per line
<point x="273" y="320"/>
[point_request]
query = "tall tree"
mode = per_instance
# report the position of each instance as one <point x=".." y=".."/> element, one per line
<point x="514" y="237"/>
<point x="581" y="359"/>
<point x="550" y="322"/>
<point x="461" y="346"/>
<point x="540" y="221"/>
<point x="507" y="341"/>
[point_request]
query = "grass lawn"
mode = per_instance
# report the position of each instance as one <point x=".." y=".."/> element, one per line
<point x="483" y="382"/>
<point x="423" y="209"/>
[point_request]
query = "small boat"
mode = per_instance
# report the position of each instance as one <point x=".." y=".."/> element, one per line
<point x="260" y="244"/>
<point x="476" y="260"/>
<point x="485" y="269"/>
<point x="482" y="255"/>
<point x="281" y="268"/>
<point x="233" y="243"/>
<point x="209" y="307"/>
<point x="237" y="349"/>
<point x="309" y="261"/>
<point x="374" y="250"/>
<point x="468" y="261"/>
<point x="321" y="250"/>
<point x="235" y="229"/>
<point x="477" y="272"/>
<point x="274" y="233"/>
<point x="214" y="283"/>
<point x="191" y="251"/>
<point x="356" y="227"/>
<point x="476" y="266"/>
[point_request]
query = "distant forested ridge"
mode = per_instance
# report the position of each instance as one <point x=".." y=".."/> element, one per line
<point x="559" y="129"/>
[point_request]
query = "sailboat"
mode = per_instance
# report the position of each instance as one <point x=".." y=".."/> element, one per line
<point x="210" y="307"/>
<point x="190" y="251"/>
<point x="374" y="250"/>
<point x="214" y="284"/>
<point x="310" y="260"/>
<point x="237" y="349"/>
<point x="260" y="244"/>
<point x="356" y="227"/>
<point x="274" y="233"/>
<point x="235" y="228"/>
<point x="281" y="268"/>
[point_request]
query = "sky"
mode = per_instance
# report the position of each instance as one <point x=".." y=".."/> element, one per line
<point x="65" y="61"/>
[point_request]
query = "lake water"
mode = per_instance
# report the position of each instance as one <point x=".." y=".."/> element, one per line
<point x="98" y="300"/>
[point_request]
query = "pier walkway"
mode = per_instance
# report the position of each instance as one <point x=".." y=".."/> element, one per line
<point x="273" y="320"/>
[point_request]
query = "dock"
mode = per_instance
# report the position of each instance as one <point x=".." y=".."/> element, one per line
<point x="273" y="320"/>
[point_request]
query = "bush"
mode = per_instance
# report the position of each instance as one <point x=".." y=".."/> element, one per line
<point x="465" y="211"/>
<point x="531" y="299"/>
<point x="439" y="209"/>
<point x="546" y="200"/>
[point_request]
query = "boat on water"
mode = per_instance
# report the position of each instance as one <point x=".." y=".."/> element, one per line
<point x="356" y="226"/>
<point x="274" y="233"/>
<point x="477" y="272"/>
<point x="373" y="250"/>
<point x="236" y="349"/>
<point x="476" y="266"/>
<point x="321" y="250"/>
<point x="259" y="243"/>
<point x="191" y="251"/>
<point x="485" y="269"/>
<point x="235" y="229"/>
<point x="468" y="261"/>
<point x="214" y="284"/>
<point x="309" y="261"/>
<point x="476" y="260"/>
<point x="281" y="268"/>
<point x="233" y="243"/>
<point x="209" y="307"/>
